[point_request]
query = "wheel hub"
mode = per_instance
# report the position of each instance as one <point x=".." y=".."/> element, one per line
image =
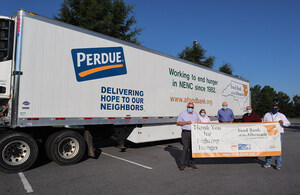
<point x="68" y="148"/>
<point x="16" y="152"/>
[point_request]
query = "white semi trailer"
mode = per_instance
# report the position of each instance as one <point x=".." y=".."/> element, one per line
<point x="54" y="75"/>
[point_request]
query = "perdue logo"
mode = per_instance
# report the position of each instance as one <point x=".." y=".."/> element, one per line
<point x="95" y="63"/>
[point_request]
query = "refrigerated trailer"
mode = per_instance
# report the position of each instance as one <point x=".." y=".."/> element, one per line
<point x="54" y="75"/>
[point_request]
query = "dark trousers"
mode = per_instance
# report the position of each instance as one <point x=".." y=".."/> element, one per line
<point x="186" y="159"/>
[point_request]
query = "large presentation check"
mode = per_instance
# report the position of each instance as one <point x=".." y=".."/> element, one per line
<point x="235" y="139"/>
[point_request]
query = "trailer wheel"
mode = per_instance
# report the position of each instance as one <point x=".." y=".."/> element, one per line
<point x="65" y="147"/>
<point x="18" y="152"/>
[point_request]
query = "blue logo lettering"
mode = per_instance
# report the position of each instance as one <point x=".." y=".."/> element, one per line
<point x="95" y="63"/>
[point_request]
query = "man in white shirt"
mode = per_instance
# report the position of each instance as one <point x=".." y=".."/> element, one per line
<point x="274" y="115"/>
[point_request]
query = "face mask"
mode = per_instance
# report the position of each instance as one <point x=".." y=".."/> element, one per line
<point x="274" y="111"/>
<point x="249" y="111"/>
<point x="224" y="107"/>
<point x="190" y="109"/>
<point x="202" y="114"/>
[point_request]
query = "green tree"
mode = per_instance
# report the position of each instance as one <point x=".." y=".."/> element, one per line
<point x="267" y="99"/>
<point x="196" y="54"/>
<point x="255" y="97"/>
<point x="110" y="17"/>
<point x="263" y="99"/>
<point x="226" y="68"/>
<point x="285" y="106"/>
<point x="296" y="106"/>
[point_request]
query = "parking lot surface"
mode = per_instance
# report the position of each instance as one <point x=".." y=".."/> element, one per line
<point x="152" y="169"/>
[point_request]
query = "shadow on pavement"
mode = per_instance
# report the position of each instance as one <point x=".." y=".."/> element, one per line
<point x="99" y="143"/>
<point x="42" y="158"/>
<point x="174" y="151"/>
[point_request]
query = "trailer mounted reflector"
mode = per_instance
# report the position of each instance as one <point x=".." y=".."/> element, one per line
<point x="33" y="119"/>
<point x="60" y="119"/>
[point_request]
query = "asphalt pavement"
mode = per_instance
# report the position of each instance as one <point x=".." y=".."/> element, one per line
<point x="152" y="169"/>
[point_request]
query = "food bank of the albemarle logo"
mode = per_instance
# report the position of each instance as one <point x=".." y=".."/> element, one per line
<point x="95" y="63"/>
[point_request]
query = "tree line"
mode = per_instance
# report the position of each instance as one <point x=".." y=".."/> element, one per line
<point x="115" y="18"/>
<point x="262" y="100"/>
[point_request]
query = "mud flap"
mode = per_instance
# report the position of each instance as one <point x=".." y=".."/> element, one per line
<point x="89" y="140"/>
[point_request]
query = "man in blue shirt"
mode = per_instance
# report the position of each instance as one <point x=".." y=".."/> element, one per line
<point x="225" y="115"/>
<point x="185" y="119"/>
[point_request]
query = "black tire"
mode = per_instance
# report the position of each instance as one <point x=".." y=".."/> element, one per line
<point x="49" y="141"/>
<point x="65" y="147"/>
<point x="18" y="152"/>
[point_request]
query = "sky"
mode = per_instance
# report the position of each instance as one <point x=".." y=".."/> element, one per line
<point x="260" y="38"/>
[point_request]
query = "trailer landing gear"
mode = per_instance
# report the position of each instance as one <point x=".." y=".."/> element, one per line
<point x="121" y="133"/>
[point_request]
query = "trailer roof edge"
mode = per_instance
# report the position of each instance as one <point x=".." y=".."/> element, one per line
<point x="93" y="33"/>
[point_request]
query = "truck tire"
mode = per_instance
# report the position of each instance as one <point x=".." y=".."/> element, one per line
<point x="18" y="152"/>
<point x="65" y="147"/>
